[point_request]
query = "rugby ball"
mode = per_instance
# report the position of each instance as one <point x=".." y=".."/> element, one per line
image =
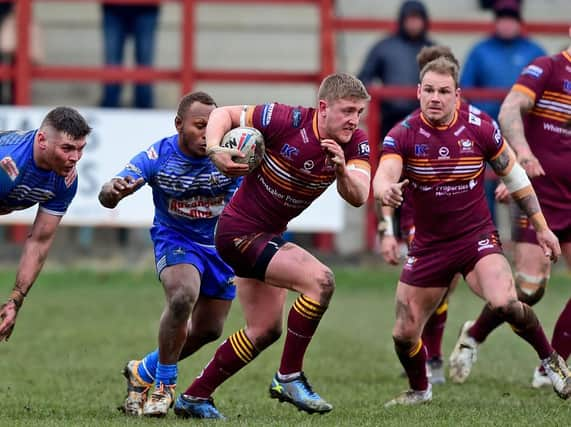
<point x="249" y="141"/>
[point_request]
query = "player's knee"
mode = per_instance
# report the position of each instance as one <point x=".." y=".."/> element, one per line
<point x="267" y="337"/>
<point x="326" y="282"/>
<point x="180" y="303"/>
<point x="530" y="289"/>
<point x="207" y="335"/>
<point x="517" y="314"/>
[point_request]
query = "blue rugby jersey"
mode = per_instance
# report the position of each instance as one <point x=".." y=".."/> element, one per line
<point x="189" y="193"/>
<point x="23" y="184"/>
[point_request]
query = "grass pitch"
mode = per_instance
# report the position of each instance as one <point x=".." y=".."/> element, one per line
<point x="78" y="328"/>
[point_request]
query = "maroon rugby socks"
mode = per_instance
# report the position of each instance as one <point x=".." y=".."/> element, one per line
<point x="232" y="355"/>
<point x="413" y="360"/>
<point x="303" y="319"/>
<point x="561" y="341"/>
<point x="434" y="331"/>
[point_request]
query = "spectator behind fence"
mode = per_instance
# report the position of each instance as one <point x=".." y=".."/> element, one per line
<point x="392" y="60"/>
<point x="120" y="22"/>
<point x="496" y="62"/>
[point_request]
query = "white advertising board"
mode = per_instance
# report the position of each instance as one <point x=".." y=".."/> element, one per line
<point x="119" y="134"/>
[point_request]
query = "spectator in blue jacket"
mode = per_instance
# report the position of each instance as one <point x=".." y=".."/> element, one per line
<point x="496" y="62"/>
<point x="392" y="61"/>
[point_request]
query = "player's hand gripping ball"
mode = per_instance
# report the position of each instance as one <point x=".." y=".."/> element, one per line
<point x="249" y="141"/>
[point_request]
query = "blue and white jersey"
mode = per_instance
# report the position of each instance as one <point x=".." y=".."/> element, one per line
<point x="23" y="183"/>
<point x="189" y="193"/>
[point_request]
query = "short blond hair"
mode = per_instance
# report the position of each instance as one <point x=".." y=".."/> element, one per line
<point x="441" y="65"/>
<point x="342" y="86"/>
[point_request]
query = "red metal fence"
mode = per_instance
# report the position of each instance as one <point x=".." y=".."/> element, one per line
<point x="23" y="72"/>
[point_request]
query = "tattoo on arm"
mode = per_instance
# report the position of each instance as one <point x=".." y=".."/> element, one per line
<point x="529" y="204"/>
<point x="500" y="163"/>
<point x="514" y="107"/>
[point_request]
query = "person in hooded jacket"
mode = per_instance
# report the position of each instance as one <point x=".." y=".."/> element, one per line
<point x="392" y="60"/>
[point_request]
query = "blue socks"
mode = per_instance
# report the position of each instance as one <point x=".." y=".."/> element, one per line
<point x="150" y="370"/>
<point x="166" y="374"/>
<point x="148" y="367"/>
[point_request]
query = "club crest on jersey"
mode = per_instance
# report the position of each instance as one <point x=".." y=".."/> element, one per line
<point x="267" y="114"/>
<point x="466" y="145"/>
<point x="9" y="166"/>
<point x="288" y="151"/>
<point x="421" y="150"/>
<point x="152" y="153"/>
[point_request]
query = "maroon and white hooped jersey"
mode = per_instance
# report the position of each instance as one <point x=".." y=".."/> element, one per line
<point x="547" y="81"/>
<point x="445" y="167"/>
<point x="294" y="170"/>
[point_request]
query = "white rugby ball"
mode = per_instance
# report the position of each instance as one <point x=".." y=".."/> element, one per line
<point x="249" y="141"/>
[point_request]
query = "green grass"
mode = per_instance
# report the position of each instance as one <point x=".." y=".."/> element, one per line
<point x="77" y="329"/>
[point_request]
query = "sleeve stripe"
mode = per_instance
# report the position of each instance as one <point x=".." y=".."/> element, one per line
<point x="525" y="90"/>
<point x="250" y="116"/>
<point x="498" y="154"/>
<point x="386" y="156"/>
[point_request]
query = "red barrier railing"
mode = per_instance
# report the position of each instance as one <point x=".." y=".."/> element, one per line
<point x="23" y="72"/>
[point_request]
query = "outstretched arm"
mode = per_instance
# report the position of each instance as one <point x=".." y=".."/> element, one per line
<point x="514" y="107"/>
<point x="32" y="260"/>
<point x="117" y="189"/>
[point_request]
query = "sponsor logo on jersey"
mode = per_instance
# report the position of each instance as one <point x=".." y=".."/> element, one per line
<point x="152" y="153"/>
<point x="304" y="136"/>
<point x="308" y="165"/>
<point x="424" y="132"/>
<point x="475" y="120"/>
<point x="421" y="150"/>
<point x="453" y="190"/>
<point x="364" y="148"/>
<point x="533" y="71"/>
<point x="131" y="167"/>
<point x="498" y="137"/>
<point x="288" y="151"/>
<point x="198" y="207"/>
<point x="267" y="114"/>
<point x="9" y="166"/>
<point x="466" y="145"/>
<point x="485" y="244"/>
<point x="460" y="130"/>
<point x="567" y="86"/>
<point x="443" y="153"/>
<point x="296" y="118"/>
<point x="474" y="110"/>
<point x="557" y="129"/>
<point x="389" y="141"/>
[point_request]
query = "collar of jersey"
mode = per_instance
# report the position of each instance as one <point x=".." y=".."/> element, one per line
<point x="314" y="125"/>
<point x="448" y="126"/>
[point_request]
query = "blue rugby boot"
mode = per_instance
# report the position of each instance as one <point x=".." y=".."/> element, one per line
<point x="299" y="393"/>
<point x="194" y="407"/>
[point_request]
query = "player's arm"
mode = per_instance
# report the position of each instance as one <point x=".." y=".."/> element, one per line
<point x="517" y="104"/>
<point x="386" y="188"/>
<point x="113" y="191"/>
<point x="33" y="256"/>
<point x="221" y="120"/>
<point x="519" y="186"/>
<point x="386" y="231"/>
